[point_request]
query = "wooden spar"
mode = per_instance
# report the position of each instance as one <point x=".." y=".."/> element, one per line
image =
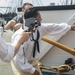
<point x="59" y="45"/>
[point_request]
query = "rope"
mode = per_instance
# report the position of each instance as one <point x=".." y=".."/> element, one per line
<point x="59" y="69"/>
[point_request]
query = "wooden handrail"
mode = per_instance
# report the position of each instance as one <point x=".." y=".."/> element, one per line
<point x="59" y="45"/>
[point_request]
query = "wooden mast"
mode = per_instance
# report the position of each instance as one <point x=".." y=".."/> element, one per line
<point x="65" y="48"/>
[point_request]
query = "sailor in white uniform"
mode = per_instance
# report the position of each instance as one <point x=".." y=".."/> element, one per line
<point x="8" y="50"/>
<point x="24" y="63"/>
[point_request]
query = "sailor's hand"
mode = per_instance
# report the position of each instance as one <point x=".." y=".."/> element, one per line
<point x="24" y="36"/>
<point x="73" y="27"/>
<point x="36" y="73"/>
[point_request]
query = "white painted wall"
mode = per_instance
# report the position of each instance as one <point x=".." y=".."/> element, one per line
<point x="57" y="16"/>
<point x="51" y="55"/>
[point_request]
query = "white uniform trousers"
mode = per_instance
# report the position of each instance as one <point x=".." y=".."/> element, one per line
<point x="17" y="71"/>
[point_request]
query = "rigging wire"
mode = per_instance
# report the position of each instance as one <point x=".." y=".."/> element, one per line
<point x="13" y="6"/>
<point x="2" y="10"/>
<point x="19" y="4"/>
<point x="41" y="2"/>
<point x="33" y="2"/>
<point x="7" y="8"/>
<point x="38" y="3"/>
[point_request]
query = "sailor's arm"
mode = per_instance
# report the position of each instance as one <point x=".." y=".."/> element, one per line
<point x="10" y="24"/>
<point x="8" y="51"/>
<point x="73" y="27"/>
<point x="22" y="38"/>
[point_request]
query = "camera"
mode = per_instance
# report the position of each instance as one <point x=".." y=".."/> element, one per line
<point x="31" y="23"/>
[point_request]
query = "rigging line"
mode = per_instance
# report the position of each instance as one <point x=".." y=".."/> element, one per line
<point x="21" y="3"/>
<point x="13" y="1"/>
<point x="9" y="4"/>
<point x="7" y="8"/>
<point x="17" y="5"/>
<point x="14" y="8"/>
<point x="33" y="2"/>
<point x="1" y="10"/>
<point x="71" y="2"/>
<point x="40" y="2"/>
